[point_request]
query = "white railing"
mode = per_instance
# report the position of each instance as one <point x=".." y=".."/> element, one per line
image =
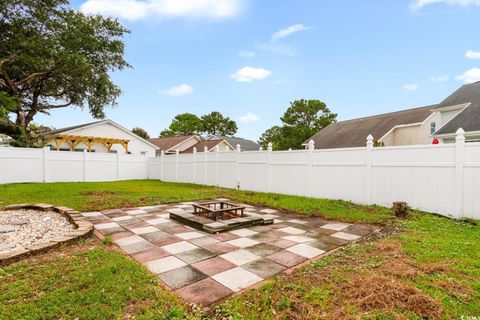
<point x="44" y="165"/>
<point x="442" y="178"/>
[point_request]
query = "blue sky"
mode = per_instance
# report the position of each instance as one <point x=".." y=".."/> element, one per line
<point x="249" y="58"/>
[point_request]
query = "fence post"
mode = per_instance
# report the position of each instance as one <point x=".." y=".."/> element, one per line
<point x="311" y="147"/>
<point x="217" y="149"/>
<point x="237" y="165"/>
<point x="368" y="170"/>
<point x="118" y="165"/>
<point x="146" y="165"/>
<point x="205" y="164"/>
<point x="45" y="163"/>
<point x="162" y="156"/>
<point x="84" y="165"/>
<point x="177" y="152"/>
<point x="459" y="168"/>
<point x="194" y="165"/>
<point x="269" y="169"/>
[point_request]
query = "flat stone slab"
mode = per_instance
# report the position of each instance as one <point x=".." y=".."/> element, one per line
<point x="203" y="266"/>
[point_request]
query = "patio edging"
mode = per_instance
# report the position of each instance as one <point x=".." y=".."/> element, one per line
<point x="83" y="229"/>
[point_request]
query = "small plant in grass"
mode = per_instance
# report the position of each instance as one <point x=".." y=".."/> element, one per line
<point x="284" y="303"/>
<point x="107" y="240"/>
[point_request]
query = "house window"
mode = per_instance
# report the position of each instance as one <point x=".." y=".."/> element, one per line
<point x="432" y="127"/>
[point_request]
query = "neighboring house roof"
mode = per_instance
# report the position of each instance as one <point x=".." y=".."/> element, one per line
<point x="353" y="133"/>
<point x="91" y="124"/>
<point x="210" y="144"/>
<point x="469" y="118"/>
<point x="245" y="144"/>
<point x="169" y="143"/>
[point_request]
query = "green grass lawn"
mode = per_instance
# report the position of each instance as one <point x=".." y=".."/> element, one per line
<point x="429" y="270"/>
<point x="92" y="196"/>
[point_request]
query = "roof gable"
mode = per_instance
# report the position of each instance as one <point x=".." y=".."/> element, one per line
<point x="469" y="118"/>
<point x="353" y="133"/>
<point x="96" y="123"/>
<point x="166" y="144"/>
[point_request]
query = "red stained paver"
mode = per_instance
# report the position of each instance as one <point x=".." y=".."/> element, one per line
<point x="121" y="235"/>
<point x="213" y="266"/>
<point x="282" y="243"/>
<point x="204" y="292"/>
<point x="163" y="241"/>
<point x="286" y="258"/>
<point x="225" y="236"/>
<point x="150" y="254"/>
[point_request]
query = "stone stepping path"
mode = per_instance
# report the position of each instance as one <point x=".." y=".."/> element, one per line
<point x="205" y="268"/>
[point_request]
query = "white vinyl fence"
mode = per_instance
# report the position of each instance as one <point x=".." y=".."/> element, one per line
<point x="44" y="165"/>
<point x="442" y="178"/>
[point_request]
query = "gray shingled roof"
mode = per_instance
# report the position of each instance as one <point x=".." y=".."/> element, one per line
<point x="353" y="133"/>
<point x="245" y="144"/>
<point x="469" y="118"/>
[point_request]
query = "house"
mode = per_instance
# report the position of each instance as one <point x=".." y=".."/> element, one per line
<point x="245" y="144"/>
<point x="407" y="127"/>
<point x="104" y="136"/>
<point x="185" y="144"/>
<point x="172" y="144"/>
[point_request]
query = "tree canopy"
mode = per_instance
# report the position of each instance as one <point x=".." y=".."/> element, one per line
<point x="142" y="133"/>
<point x="301" y="120"/>
<point x="213" y="123"/>
<point x="51" y="57"/>
<point x="183" y="124"/>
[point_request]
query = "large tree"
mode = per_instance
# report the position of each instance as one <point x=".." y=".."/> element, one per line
<point x="142" y="133"/>
<point x="301" y="120"/>
<point x="183" y="124"/>
<point x="51" y="57"/>
<point x="215" y="123"/>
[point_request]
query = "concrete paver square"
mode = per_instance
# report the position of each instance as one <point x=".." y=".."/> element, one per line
<point x="164" y="264"/>
<point x="305" y="250"/>
<point x="292" y="230"/>
<point x="298" y="239"/>
<point x="213" y="266"/>
<point x="263" y="249"/>
<point x="190" y="235"/>
<point x="220" y="248"/>
<point x="179" y="247"/>
<point x="204" y="292"/>
<point x="150" y="254"/>
<point x="335" y="226"/>
<point x="144" y="230"/>
<point x="243" y="232"/>
<point x="203" y="241"/>
<point x="243" y="242"/>
<point x="181" y="277"/>
<point x="286" y="258"/>
<point x="239" y="257"/>
<point x="264" y="268"/>
<point x="194" y="255"/>
<point x="237" y="279"/>
<point x="345" y="236"/>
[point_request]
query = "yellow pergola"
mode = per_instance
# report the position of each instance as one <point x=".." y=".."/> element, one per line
<point x="73" y="141"/>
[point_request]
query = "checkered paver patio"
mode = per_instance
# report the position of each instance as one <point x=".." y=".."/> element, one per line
<point x="204" y="268"/>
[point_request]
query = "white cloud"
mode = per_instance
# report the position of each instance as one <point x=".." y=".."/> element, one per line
<point x="419" y="4"/>
<point x="470" y="76"/>
<point x="141" y="9"/>
<point x="249" y="74"/>
<point x="247" y="54"/>
<point x="250" y="117"/>
<point x="411" y="87"/>
<point x="470" y="54"/>
<point x="179" y="90"/>
<point x="280" y="34"/>
<point x="440" y="78"/>
<point x="275" y="48"/>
